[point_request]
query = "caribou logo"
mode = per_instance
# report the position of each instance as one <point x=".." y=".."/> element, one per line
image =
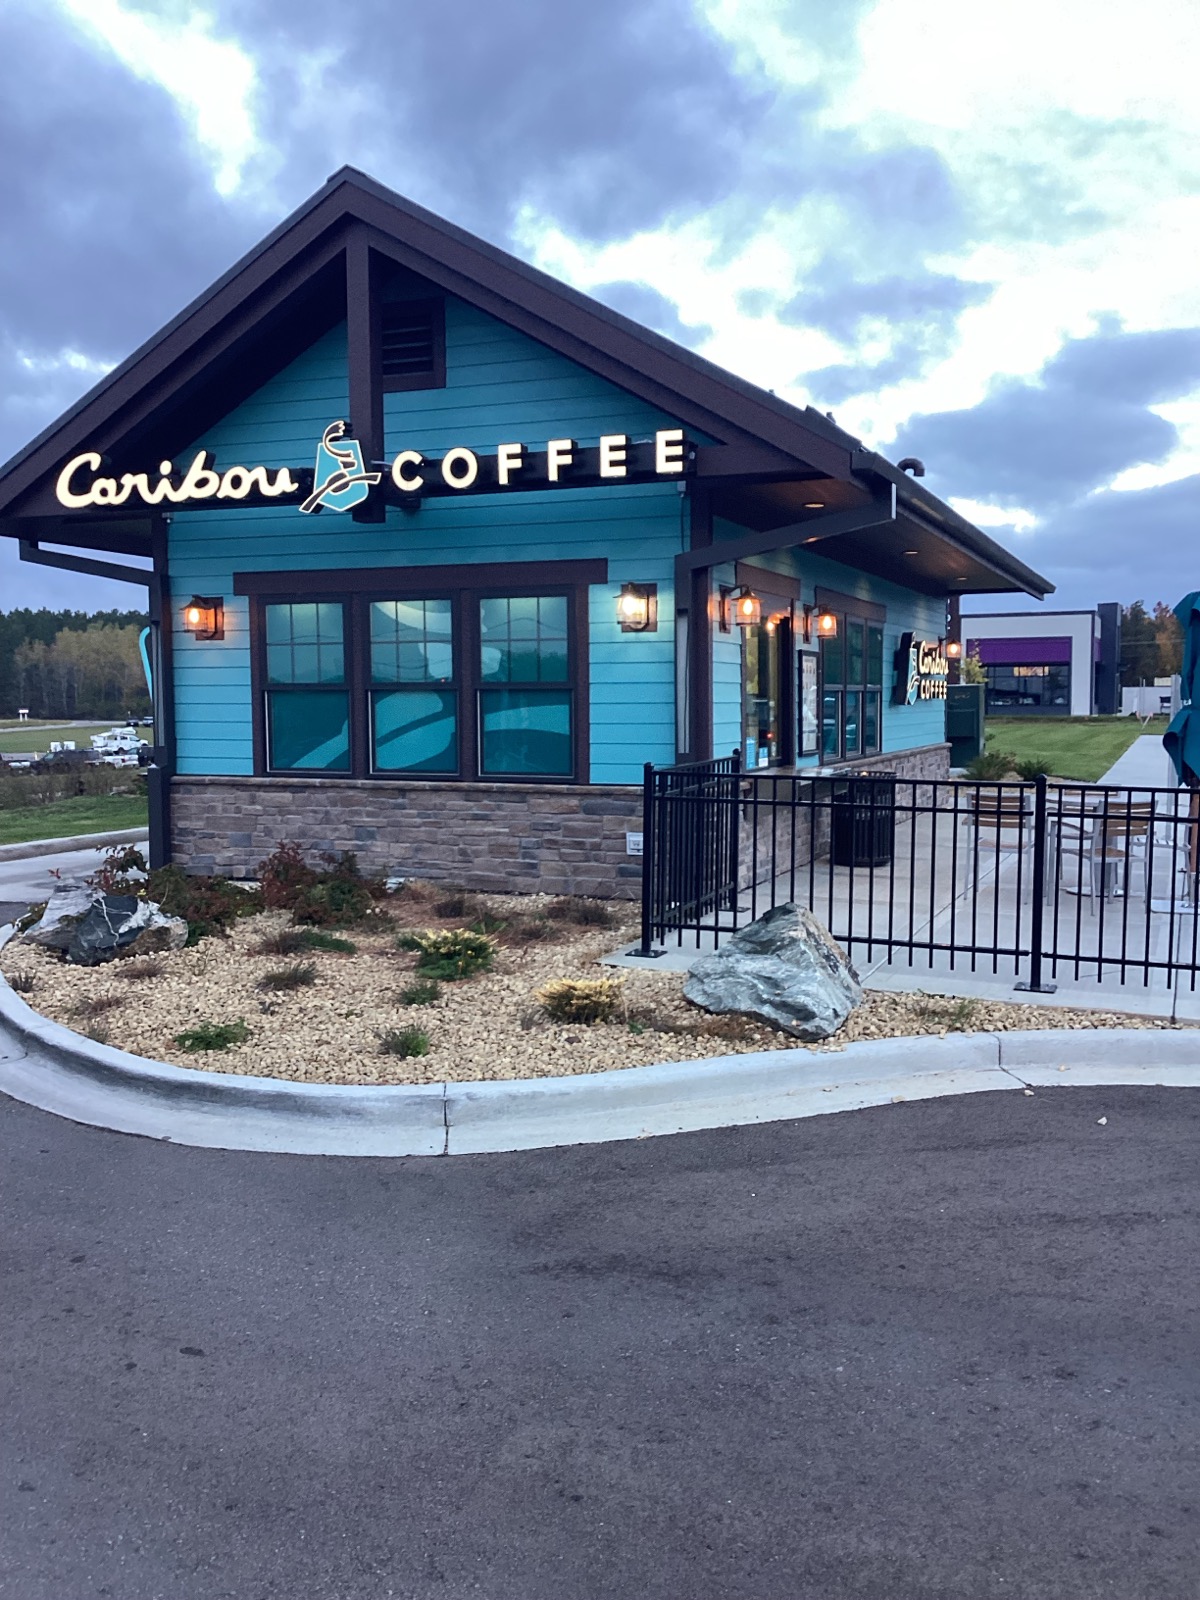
<point x="340" y="478"/>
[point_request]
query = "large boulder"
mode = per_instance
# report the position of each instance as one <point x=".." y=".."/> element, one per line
<point x="785" y="969"/>
<point x="90" y="927"/>
<point x="122" y="925"/>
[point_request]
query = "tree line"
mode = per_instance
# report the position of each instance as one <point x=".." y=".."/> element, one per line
<point x="1151" y="643"/>
<point x="72" y="663"/>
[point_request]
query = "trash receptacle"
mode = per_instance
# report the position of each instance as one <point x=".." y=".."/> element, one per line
<point x="863" y="820"/>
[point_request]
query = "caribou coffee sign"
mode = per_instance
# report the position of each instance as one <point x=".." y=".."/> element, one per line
<point x="922" y="670"/>
<point x="341" y="479"/>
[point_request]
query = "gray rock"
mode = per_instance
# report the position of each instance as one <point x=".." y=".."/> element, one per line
<point x="68" y="905"/>
<point x="121" y="925"/>
<point x="785" y="969"/>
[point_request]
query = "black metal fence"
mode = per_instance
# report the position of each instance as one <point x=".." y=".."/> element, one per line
<point x="1037" y="880"/>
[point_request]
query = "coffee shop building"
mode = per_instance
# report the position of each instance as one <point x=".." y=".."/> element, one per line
<point x="441" y="552"/>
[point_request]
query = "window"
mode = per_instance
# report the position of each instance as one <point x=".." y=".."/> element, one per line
<point x="465" y="683"/>
<point x="763" y="653"/>
<point x="525" y="693"/>
<point x="1044" y="689"/>
<point x="852" y="681"/>
<point x="414" y="698"/>
<point x="307" y="702"/>
<point x="412" y="345"/>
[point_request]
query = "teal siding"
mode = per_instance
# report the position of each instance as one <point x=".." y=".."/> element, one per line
<point x="500" y="386"/>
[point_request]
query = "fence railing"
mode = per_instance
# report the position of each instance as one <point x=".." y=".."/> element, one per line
<point x="1034" y="879"/>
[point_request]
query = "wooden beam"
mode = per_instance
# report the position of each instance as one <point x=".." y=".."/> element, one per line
<point x="364" y="365"/>
<point x="811" y="531"/>
<point x="93" y="569"/>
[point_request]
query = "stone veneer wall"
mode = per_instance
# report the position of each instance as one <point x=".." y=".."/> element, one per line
<point x="502" y="838"/>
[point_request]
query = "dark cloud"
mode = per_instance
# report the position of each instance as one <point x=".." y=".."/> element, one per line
<point x="1116" y="546"/>
<point x="652" y="310"/>
<point x="840" y="307"/>
<point x="1045" y="443"/>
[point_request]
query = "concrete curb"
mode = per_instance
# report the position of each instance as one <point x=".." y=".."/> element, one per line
<point x="77" y="841"/>
<point x="48" y="1066"/>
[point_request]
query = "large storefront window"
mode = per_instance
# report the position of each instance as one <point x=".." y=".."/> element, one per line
<point x="459" y="684"/>
<point x="1029" y="689"/>
<point x="852" y="688"/>
<point x="307" y="704"/>
<point x="525" y="693"/>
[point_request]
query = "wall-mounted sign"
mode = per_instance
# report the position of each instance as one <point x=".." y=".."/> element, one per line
<point x="342" y="479"/>
<point x="922" y="670"/>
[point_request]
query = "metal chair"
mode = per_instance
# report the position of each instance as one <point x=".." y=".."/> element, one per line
<point x="992" y="814"/>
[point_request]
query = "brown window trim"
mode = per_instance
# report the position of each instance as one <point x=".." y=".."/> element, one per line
<point x="868" y="610"/>
<point x="465" y="598"/>
<point x="871" y="615"/>
<point x="406" y="383"/>
<point x="416" y="582"/>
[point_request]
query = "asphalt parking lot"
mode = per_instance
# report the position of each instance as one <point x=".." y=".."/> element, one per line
<point x="943" y="1349"/>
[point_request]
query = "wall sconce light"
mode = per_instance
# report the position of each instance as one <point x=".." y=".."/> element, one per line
<point x="827" y="625"/>
<point x="204" y="617"/>
<point x="954" y="649"/>
<point x="740" y="605"/>
<point x="637" y="608"/>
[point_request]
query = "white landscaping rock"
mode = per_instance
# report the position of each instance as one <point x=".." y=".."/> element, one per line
<point x="786" y="969"/>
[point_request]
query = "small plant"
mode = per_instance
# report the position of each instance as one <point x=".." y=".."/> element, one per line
<point x="298" y="976"/>
<point x="32" y="917"/>
<point x="122" y="871"/>
<point x="454" y="901"/>
<point x="450" y="954"/>
<point x="213" y="1035"/>
<point x="1034" y="767"/>
<point x="141" y="967"/>
<point x="338" y="896"/>
<point x="586" y="913"/>
<point x="283" y="875"/>
<point x="991" y="766"/>
<point x="422" y="993"/>
<point x="22" y="982"/>
<point x="97" y="1004"/>
<point x="97" y="1032"/>
<point x="404" y="1042"/>
<point x="956" y="1017"/>
<point x="488" y="922"/>
<point x="531" y="930"/>
<point x="291" y="941"/>
<point x="209" y="906"/>
<point x="580" y="999"/>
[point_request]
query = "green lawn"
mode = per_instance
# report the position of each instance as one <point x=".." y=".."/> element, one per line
<point x="22" y="736"/>
<point x="1075" y="747"/>
<point x="85" y="813"/>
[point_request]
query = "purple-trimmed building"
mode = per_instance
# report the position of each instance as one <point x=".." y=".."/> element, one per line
<point x="1049" y="663"/>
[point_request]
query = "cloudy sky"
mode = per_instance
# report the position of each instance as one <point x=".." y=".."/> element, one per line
<point x="969" y="230"/>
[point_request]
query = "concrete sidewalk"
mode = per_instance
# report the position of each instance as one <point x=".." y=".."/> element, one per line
<point x="1145" y="765"/>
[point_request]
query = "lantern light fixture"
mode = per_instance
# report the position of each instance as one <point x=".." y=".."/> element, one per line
<point x="827" y="627"/>
<point x="637" y="608"/>
<point x="954" y="649"/>
<point x="204" y="617"/>
<point x="741" y="606"/>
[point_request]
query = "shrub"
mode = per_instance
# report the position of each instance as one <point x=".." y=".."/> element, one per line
<point x="96" y="1005"/>
<point x="209" y="906"/>
<point x="587" y="913"/>
<point x="298" y="976"/>
<point x="422" y="993"/>
<point x="140" y="967"/>
<point x="991" y="766"/>
<point x="450" y="954"/>
<point x="1034" y="767"/>
<point x="122" y="871"/>
<point x="404" y="1042"/>
<point x="488" y="922"/>
<point x="283" y="875"/>
<point x="580" y="999"/>
<point x="22" y="982"/>
<point x="213" y="1035"/>
<point x="454" y="901"/>
<point x="531" y="930"/>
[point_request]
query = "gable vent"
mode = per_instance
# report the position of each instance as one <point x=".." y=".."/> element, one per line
<point x="411" y="343"/>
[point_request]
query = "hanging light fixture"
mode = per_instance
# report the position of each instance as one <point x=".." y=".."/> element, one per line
<point x="954" y="649"/>
<point x="743" y="606"/>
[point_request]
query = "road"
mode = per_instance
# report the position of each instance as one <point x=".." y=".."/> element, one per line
<point x="29" y="879"/>
<point x="933" y="1351"/>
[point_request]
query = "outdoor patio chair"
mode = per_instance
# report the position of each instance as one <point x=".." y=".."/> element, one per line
<point x="999" y="827"/>
<point x="1118" y="843"/>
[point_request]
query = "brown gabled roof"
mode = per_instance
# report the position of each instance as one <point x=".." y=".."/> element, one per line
<point x="163" y="390"/>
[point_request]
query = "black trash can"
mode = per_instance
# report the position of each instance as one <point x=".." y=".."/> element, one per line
<point x="862" y="831"/>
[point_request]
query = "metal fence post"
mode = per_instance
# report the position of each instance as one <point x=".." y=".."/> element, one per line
<point x="1036" y="984"/>
<point x="647" y="859"/>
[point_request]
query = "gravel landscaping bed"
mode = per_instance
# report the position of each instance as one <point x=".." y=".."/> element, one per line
<point x="487" y="1026"/>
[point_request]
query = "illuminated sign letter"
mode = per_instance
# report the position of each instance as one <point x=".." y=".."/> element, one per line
<point x="510" y="458"/>
<point x="408" y="458"/>
<point x="560" y="453"/>
<point x="71" y="497"/>
<point x="460" y="467"/>
<point x="612" y="455"/>
<point x="668" y="450"/>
